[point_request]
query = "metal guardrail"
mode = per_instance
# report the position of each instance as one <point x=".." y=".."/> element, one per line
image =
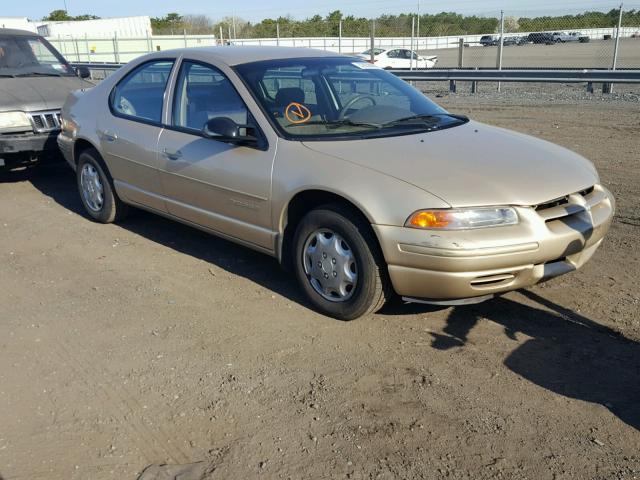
<point x="522" y="75"/>
<point x="606" y="77"/>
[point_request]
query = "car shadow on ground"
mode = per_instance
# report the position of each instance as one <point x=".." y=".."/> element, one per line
<point x="566" y="353"/>
<point x="58" y="182"/>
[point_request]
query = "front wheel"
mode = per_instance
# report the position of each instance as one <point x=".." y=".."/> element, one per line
<point x="338" y="263"/>
<point x="96" y="189"/>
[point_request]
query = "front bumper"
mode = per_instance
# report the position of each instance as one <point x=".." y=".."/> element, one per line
<point x="19" y="149"/>
<point x="449" y="265"/>
<point x="28" y="143"/>
<point x="65" y="144"/>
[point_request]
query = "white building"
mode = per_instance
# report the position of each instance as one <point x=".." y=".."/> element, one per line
<point x="121" y="27"/>
<point x="20" y="23"/>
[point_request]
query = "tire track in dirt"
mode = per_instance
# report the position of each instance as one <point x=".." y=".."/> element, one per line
<point x="154" y="443"/>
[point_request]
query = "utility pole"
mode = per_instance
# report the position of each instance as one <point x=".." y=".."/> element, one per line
<point x="500" y="45"/>
<point x="418" y="27"/>
<point x="413" y="32"/>
<point x="233" y="19"/>
<point x="615" y="48"/>
<point x="608" y="88"/>
<point x="373" y="40"/>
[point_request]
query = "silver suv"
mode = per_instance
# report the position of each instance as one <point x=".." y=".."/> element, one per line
<point x="34" y="83"/>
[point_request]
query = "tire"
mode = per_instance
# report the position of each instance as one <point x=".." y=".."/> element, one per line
<point x="371" y="288"/>
<point x="96" y="190"/>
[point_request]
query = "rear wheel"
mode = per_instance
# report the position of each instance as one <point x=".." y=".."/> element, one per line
<point x="96" y="189"/>
<point x="338" y="264"/>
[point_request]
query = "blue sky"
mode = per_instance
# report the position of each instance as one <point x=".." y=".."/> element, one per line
<point x="255" y="10"/>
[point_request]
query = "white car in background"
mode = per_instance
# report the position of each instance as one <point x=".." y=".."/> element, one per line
<point x="399" y="58"/>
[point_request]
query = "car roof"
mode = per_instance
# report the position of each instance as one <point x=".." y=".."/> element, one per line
<point x="17" y="33"/>
<point x="237" y="55"/>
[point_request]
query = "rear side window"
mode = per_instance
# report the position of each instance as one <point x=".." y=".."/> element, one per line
<point x="140" y="94"/>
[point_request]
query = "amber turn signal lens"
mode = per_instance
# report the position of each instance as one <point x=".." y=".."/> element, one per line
<point x="463" y="218"/>
<point x="430" y="219"/>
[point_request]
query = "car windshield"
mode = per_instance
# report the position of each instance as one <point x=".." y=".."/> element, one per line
<point x="24" y="56"/>
<point x="376" y="51"/>
<point x="331" y="98"/>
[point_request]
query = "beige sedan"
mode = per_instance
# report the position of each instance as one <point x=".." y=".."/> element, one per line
<point x="353" y="179"/>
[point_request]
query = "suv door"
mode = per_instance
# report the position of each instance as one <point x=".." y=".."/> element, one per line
<point x="129" y="136"/>
<point x="218" y="185"/>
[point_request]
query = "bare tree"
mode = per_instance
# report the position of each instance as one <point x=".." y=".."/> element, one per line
<point x="198" y="24"/>
<point x="511" y="24"/>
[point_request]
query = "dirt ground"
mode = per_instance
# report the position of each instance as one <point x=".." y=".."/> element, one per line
<point x="149" y="342"/>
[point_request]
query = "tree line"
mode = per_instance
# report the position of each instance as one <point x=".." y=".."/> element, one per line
<point x="439" y="24"/>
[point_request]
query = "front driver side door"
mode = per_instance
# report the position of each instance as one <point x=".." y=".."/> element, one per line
<point x="218" y="185"/>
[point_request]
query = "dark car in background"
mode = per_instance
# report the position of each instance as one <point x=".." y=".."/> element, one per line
<point x="34" y="83"/>
<point x="489" y="41"/>
<point x="541" y="38"/>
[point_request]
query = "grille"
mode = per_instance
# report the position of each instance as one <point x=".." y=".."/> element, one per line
<point x="570" y="204"/>
<point x="45" y="121"/>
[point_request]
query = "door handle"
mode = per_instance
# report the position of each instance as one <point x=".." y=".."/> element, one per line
<point x="171" y="155"/>
<point x="108" y="136"/>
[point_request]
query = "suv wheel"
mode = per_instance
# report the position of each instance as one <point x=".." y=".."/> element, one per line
<point x="338" y="264"/>
<point x="96" y="189"/>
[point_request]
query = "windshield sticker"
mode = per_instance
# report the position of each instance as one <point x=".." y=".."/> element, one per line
<point x="297" y="113"/>
<point x="365" y="65"/>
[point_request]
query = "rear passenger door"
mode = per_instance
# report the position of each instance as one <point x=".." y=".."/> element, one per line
<point x="129" y="135"/>
<point x="221" y="186"/>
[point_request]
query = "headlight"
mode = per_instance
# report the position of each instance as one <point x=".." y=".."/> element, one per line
<point x="14" y="121"/>
<point x="463" y="218"/>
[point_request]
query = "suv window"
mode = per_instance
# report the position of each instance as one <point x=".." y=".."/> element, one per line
<point x="204" y="92"/>
<point x="140" y="94"/>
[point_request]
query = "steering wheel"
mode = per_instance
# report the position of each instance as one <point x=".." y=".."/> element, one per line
<point x="350" y="103"/>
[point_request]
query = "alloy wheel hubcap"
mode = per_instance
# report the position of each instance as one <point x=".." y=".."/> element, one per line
<point x="330" y="265"/>
<point x="91" y="185"/>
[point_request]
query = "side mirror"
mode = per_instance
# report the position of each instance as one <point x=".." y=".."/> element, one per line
<point x="226" y="130"/>
<point x="83" y="72"/>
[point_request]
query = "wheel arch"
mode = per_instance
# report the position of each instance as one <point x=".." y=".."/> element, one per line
<point x="303" y="202"/>
<point x="80" y="145"/>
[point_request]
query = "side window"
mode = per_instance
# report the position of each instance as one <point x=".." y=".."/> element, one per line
<point x="203" y="92"/>
<point x="393" y="54"/>
<point x="140" y="94"/>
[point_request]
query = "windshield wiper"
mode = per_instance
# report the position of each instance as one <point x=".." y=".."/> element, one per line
<point x="38" y="74"/>
<point x="7" y="75"/>
<point x="431" y="119"/>
<point x="339" y="123"/>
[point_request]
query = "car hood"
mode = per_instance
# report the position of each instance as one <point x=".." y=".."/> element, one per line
<point x="472" y="164"/>
<point x="30" y="94"/>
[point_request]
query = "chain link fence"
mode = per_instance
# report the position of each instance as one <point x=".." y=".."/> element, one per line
<point x="590" y="40"/>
